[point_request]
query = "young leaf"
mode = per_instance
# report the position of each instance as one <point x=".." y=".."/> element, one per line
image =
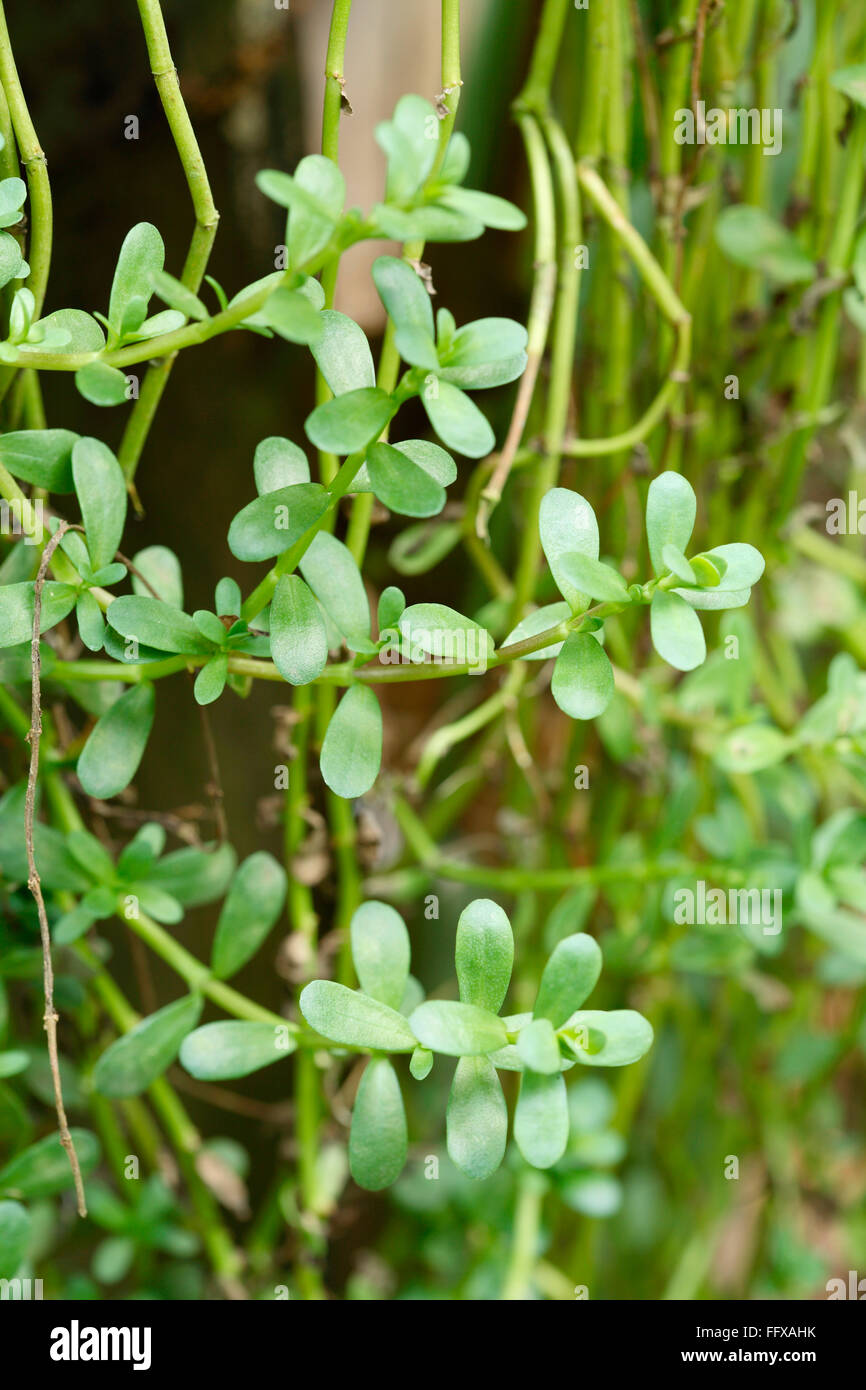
<point x="676" y="562"/>
<point x="569" y="977"/>
<point x="109" y="759"/>
<point x="91" y="624"/>
<point x="541" y="1119"/>
<point x="676" y="631"/>
<point x="744" y="565"/>
<point x="226" y="1050"/>
<point x="390" y="608"/>
<point x="309" y="229"/>
<point x="177" y="296"/>
<point x="254" y="902"/>
<point x="352" y="748"/>
<point x="299" y="643"/>
<point x="210" y="682"/>
<point x="380" y="951"/>
<point x="484" y="954"/>
<point x="141" y="254"/>
<point x="347" y="1016"/>
<point x="670" y="516"/>
<point x="567" y="524"/>
<point x="421" y="1063"/>
<point x="349" y="422"/>
<point x="476" y="1120"/>
<point x="136" y="1059"/>
<point x="582" y="683"/>
<point x="457" y="420"/>
<point x="378" y="1140"/>
<point x="101" y="489"/>
<point x="407" y="144"/>
<point x="609" y="1039"/>
<point x="458" y="1030"/>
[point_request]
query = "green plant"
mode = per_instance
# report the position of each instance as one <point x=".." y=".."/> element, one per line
<point x="601" y="475"/>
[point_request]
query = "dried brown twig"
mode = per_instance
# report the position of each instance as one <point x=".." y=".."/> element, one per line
<point x="50" y="1016"/>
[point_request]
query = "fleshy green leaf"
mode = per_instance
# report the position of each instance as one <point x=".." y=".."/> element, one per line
<point x="252" y="906"/>
<point x="670" y="516"/>
<point x="486" y="207"/>
<point x="751" y="748"/>
<point x="447" y="636"/>
<point x="536" y="623"/>
<point x="299" y="643"/>
<point x="609" y="1039"/>
<point x="109" y="759"/>
<point x="157" y="625"/>
<point x="91" y="624"/>
<point x="101" y="490"/>
<point x="582" y="683"/>
<point x="210" y="682"/>
<point x="567" y="524"/>
<point x="569" y="977"/>
<point x="352" y="748"/>
<point x="16" y="609"/>
<point x="101" y="384"/>
<point x="380" y="951"/>
<point x="592" y="577"/>
<point x="136" y="1059"/>
<point x="291" y="315"/>
<point x="676" y="631"/>
<point x="349" y="422"/>
<point x="410" y="142"/>
<point x="456" y="419"/>
<point x="484" y="954"/>
<point x="401" y="485"/>
<point x="161" y="568"/>
<point x="270" y="524"/>
<point x="332" y="573"/>
<point x="458" y="1030"/>
<point x="226" y="1050"/>
<point x="43" y="1169"/>
<point x="378" y="1140"/>
<point x="538" y="1047"/>
<point x="278" y="463"/>
<point x="541" y="1119"/>
<point x="194" y="875"/>
<point x="41" y="457"/>
<point x="141" y="255"/>
<point x="354" y="1019"/>
<point x="343" y="354"/>
<point x="744" y="565"/>
<point x="751" y="238"/>
<point x="309" y="230"/>
<point x="14" y="1237"/>
<point x="421" y="1063"/>
<point x="477" y="1118"/>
